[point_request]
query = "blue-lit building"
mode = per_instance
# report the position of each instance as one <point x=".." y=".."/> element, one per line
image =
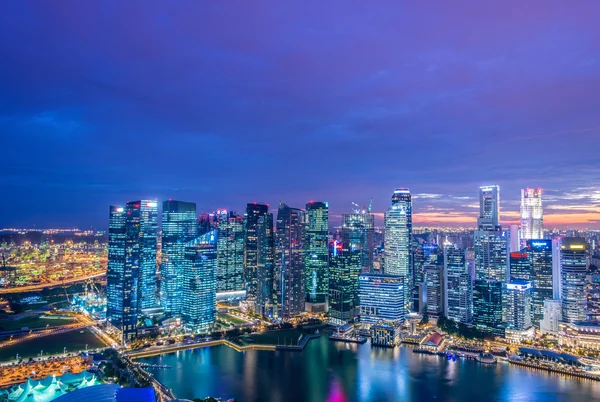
<point x="115" y="274"/>
<point x="517" y="304"/>
<point x="316" y="256"/>
<point x="179" y="227"/>
<point x="458" y="286"/>
<point x="491" y="255"/>
<point x="358" y="230"/>
<point x="230" y="252"/>
<point x="540" y="257"/>
<point x="573" y="259"/>
<point x="381" y="298"/>
<point x="487" y="305"/>
<point x="520" y="266"/>
<point x="257" y="248"/>
<point x="200" y="283"/>
<point x="344" y="269"/>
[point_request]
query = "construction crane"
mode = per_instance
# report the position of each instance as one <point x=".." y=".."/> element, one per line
<point x="362" y="210"/>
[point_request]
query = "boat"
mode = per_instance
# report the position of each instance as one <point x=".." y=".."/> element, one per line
<point x="486" y="358"/>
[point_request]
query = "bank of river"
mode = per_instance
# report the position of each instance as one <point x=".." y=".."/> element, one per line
<point x="336" y="372"/>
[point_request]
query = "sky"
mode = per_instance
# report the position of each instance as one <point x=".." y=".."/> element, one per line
<point x="228" y="102"/>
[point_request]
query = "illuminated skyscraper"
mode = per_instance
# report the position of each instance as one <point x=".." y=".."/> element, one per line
<point x="491" y="255"/>
<point x="573" y="271"/>
<point x="115" y="274"/>
<point x="517" y="305"/>
<point x="520" y="266"/>
<point x="458" y="286"/>
<point x="487" y="305"/>
<point x="358" y="230"/>
<point x="381" y="298"/>
<point x="532" y="214"/>
<point x="489" y="208"/>
<point x="434" y="285"/>
<point x="230" y="252"/>
<point x="539" y="253"/>
<point x="397" y="239"/>
<point x="252" y="243"/>
<point x="344" y="269"/>
<point x="200" y="283"/>
<point x="316" y="257"/>
<point x="179" y="227"/>
<point x="289" y="260"/>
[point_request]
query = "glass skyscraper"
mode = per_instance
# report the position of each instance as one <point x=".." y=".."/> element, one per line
<point x="179" y="227"/>
<point x="532" y="214"/>
<point x="230" y="252"/>
<point x="540" y="257"/>
<point x="487" y="305"/>
<point x="265" y="299"/>
<point x="381" y="298"/>
<point x="520" y="266"/>
<point x="200" y="283"/>
<point x="115" y="274"/>
<point x="397" y="240"/>
<point x="344" y="269"/>
<point x="491" y="254"/>
<point x="255" y="220"/>
<point x="433" y="288"/>
<point x="289" y="260"/>
<point x="573" y="271"/>
<point x="358" y="230"/>
<point x="316" y="257"/>
<point x="458" y="286"/>
<point x="489" y="208"/>
<point x="517" y="305"/>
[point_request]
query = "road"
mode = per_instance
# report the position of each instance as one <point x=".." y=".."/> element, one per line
<point x="33" y="288"/>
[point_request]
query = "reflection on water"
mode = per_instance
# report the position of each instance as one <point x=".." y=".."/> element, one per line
<point x="338" y="372"/>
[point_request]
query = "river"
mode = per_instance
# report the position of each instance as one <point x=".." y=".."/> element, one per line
<point x="338" y="372"/>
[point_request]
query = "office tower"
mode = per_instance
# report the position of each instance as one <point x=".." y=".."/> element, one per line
<point x="200" y="283"/>
<point x="344" y="269"/>
<point x="540" y="256"/>
<point x="520" y="266"/>
<point x="573" y="271"/>
<point x="381" y="298"/>
<point x="552" y="317"/>
<point x="179" y="227"/>
<point x="289" y="260"/>
<point x="517" y="304"/>
<point x="230" y="252"/>
<point x="532" y="214"/>
<point x="458" y="286"/>
<point x="358" y="231"/>
<point x="316" y="257"/>
<point x="487" y="305"/>
<point x="434" y="287"/>
<point x="556" y="267"/>
<point x="254" y="213"/>
<point x="131" y="274"/>
<point x="115" y="274"/>
<point x="266" y="300"/>
<point x="515" y="239"/>
<point x="490" y="251"/>
<point x="207" y="222"/>
<point x="489" y="208"/>
<point x="397" y="240"/>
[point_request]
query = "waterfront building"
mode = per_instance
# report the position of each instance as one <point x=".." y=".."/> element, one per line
<point x="580" y="335"/>
<point x="487" y="305"/>
<point x="385" y="334"/>
<point x="200" y="283"/>
<point x="434" y="287"/>
<point x="397" y="241"/>
<point x="458" y="286"/>
<point x="552" y="317"/>
<point x="256" y="220"/>
<point x="131" y="274"/>
<point x="179" y="227"/>
<point x="532" y="214"/>
<point x="573" y="273"/>
<point x="517" y="305"/>
<point x="520" y="266"/>
<point x="489" y="208"/>
<point x="289" y="260"/>
<point x="358" y="231"/>
<point x="433" y="343"/>
<point x="266" y="299"/>
<point x="230" y="252"/>
<point x="381" y="298"/>
<point x="491" y="252"/>
<point x="316" y="256"/>
<point x="539" y="253"/>
<point x="344" y="270"/>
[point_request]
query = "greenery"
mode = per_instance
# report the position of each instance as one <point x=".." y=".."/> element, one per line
<point x="35" y="321"/>
<point x="460" y="329"/>
<point x="231" y="319"/>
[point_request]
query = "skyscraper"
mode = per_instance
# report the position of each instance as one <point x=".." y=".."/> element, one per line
<point x="487" y="305"/>
<point x="179" y="227"/>
<point x="458" y="286"/>
<point x="518" y="311"/>
<point x="434" y="281"/>
<point x="489" y="208"/>
<point x="316" y="257"/>
<point x="230" y="252"/>
<point x="266" y="301"/>
<point x="520" y="266"/>
<point x="540" y="257"/>
<point x="397" y="239"/>
<point x="491" y="254"/>
<point x="200" y="283"/>
<point x="381" y="298"/>
<point x="252" y="243"/>
<point x="573" y="270"/>
<point x="289" y="260"/>
<point x="344" y="269"/>
<point x="131" y="274"/>
<point x="358" y="230"/>
<point x="532" y="214"/>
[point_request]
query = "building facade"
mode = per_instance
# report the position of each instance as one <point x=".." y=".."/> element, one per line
<point x="230" y="252"/>
<point x="316" y="256"/>
<point x="573" y="256"/>
<point x="487" y="305"/>
<point x="344" y="270"/>
<point x="358" y="230"/>
<point x="532" y="214"/>
<point x="254" y="220"/>
<point x="381" y="298"/>
<point x="458" y="286"/>
<point x="434" y="280"/>
<point x="491" y="255"/>
<point x="540" y="257"/>
<point x="489" y="208"/>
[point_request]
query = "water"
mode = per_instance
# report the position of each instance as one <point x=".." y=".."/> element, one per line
<point x="337" y="372"/>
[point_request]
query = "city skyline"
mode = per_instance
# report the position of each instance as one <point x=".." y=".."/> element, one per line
<point x="384" y="106"/>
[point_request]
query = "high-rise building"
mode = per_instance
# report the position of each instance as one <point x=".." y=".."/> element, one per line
<point x="489" y="208"/>
<point x="200" y="283"/>
<point x="520" y="266"/>
<point x="487" y="305"/>
<point x="179" y="227"/>
<point x="515" y="239"/>
<point x="230" y="252"/>
<point x="573" y="271"/>
<point x="552" y="317"/>
<point x="358" y="230"/>
<point x="289" y="260"/>
<point x="316" y="256"/>
<point x="532" y="214"/>
<point x="556" y="267"/>
<point x="344" y="270"/>
<point x="517" y="304"/>
<point x="254" y="213"/>
<point x="458" y="286"/>
<point x="540" y="256"/>
<point x="434" y="281"/>
<point x="381" y="298"/>
<point x="397" y="240"/>
<point x="491" y="254"/>
<point x="131" y="276"/>
<point x="266" y="300"/>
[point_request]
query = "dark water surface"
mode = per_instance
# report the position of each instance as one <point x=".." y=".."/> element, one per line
<point x="337" y="372"/>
